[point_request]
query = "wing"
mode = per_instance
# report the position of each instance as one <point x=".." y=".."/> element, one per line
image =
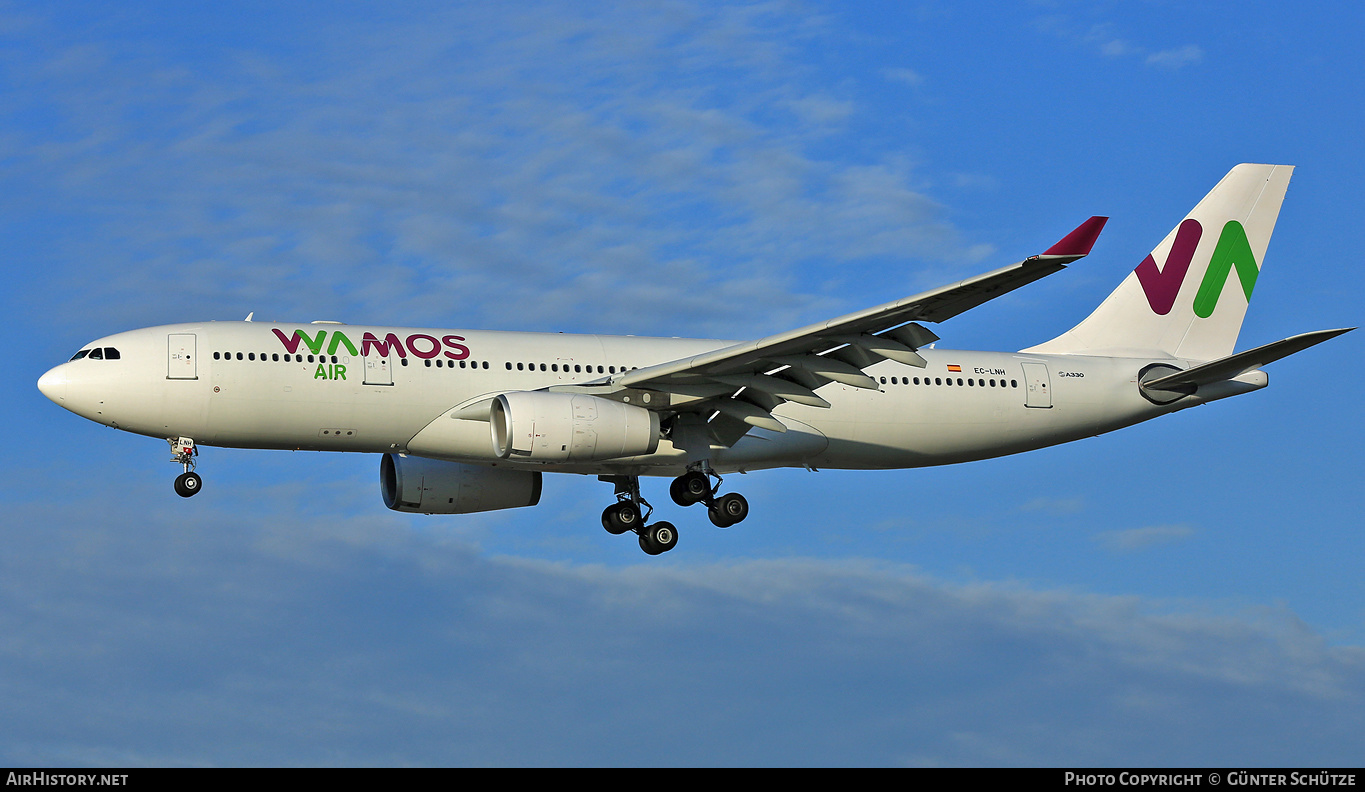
<point x="743" y="383"/>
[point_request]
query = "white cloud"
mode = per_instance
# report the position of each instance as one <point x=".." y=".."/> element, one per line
<point x="1176" y="58"/>
<point x="439" y="170"/>
<point x="1101" y="38"/>
<point x="1055" y="506"/>
<point x="284" y="635"/>
<point x="905" y="76"/>
<point x="821" y="109"/>
<point x="1141" y="538"/>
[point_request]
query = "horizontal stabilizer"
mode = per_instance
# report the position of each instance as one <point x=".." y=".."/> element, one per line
<point x="1242" y="362"/>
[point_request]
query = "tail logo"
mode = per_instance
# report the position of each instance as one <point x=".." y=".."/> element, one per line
<point x="1162" y="286"/>
<point x="1233" y="250"/>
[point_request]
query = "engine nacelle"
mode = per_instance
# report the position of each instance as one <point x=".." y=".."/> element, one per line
<point x="431" y="486"/>
<point x="570" y="427"/>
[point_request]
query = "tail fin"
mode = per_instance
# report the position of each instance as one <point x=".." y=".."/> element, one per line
<point x="1184" y="300"/>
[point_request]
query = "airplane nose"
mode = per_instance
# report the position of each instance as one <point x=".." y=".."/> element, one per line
<point x="53" y="385"/>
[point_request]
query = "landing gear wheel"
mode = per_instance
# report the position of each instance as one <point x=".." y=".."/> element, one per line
<point x="187" y="484"/>
<point x="728" y="510"/>
<point x="183" y="453"/>
<point x="621" y="517"/>
<point x="658" y="538"/>
<point x="690" y="488"/>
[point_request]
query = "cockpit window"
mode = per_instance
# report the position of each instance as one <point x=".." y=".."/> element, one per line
<point x="98" y="353"/>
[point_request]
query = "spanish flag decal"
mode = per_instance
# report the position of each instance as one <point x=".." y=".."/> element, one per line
<point x="955" y="369"/>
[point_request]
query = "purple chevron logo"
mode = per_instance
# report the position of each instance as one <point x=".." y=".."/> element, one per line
<point x="1162" y="285"/>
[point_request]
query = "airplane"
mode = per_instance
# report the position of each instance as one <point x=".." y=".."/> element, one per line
<point x="469" y="421"/>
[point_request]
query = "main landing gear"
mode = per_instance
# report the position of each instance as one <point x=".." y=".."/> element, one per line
<point x="695" y="486"/>
<point x="184" y="452"/>
<point x="626" y="515"/>
<point x="631" y="512"/>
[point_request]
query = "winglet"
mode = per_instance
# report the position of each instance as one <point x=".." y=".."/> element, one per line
<point x="1078" y="243"/>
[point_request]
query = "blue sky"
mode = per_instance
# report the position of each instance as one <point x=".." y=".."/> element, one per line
<point x="1183" y="592"/>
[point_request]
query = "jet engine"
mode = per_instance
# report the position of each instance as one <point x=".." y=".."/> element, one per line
<point x="432" y="486"/>
<point x="542" y="426"/>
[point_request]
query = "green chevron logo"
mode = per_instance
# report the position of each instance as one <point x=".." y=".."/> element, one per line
<point x="1233" y="251"/>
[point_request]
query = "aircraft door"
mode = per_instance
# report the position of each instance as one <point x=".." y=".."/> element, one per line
<point x="180" y="357"/>
<point x="378" y="370"/>
<point x="1037" y="393"/>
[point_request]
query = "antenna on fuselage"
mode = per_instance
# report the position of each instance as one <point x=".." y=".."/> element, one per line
<point x="248" y="316"/>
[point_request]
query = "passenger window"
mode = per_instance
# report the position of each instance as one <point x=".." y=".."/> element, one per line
<point x="239" y="355"/>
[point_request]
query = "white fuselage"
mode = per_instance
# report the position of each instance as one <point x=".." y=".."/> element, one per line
<point x="264" y="385"/>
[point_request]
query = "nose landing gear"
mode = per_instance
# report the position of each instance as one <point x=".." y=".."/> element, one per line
<point x="184" y="452"/>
